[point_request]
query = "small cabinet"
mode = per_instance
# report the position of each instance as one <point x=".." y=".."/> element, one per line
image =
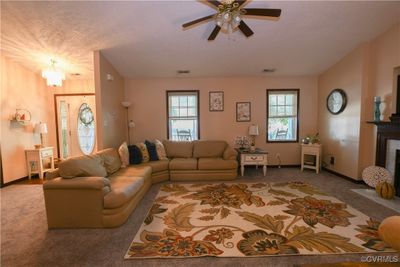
<point x="311" y="157"/>
<point x="35" y="161"/>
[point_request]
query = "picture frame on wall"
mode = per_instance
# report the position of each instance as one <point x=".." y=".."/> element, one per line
<point x="243" y="111"/>
<point x="216" y="101"/>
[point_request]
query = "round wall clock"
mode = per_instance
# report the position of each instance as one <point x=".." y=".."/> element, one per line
<point x="336" y="101"/>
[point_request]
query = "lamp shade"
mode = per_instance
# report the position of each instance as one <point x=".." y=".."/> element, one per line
<point x="125" y="104"/>
<point x="41" y="128"/>
<point x="131" y="124"/>
<point x="253" y="130"/>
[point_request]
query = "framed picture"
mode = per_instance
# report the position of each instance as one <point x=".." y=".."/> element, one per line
<point x="243" y="111"/>
<point x="216" y="101"/>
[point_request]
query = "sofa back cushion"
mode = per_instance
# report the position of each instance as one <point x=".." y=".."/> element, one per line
<point x="112" y="161"/>
<point x="178" y="149"/>
<point x="209" y="149"/>
<point x="82" y="166"/>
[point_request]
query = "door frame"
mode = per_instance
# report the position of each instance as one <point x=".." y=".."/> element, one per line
<point x="56" y="112"/>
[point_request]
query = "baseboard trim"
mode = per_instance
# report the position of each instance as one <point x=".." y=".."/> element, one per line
<point x="272" y="166"/>
<point x="284" y="166"/>
<point x="343" y="176"/>
<point x="15" y="181"/>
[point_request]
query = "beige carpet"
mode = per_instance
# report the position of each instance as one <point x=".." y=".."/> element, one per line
<point x="251" y="219"/>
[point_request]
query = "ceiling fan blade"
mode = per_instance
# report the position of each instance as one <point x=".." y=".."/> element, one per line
<point x="214" y="33"/>
<point x="269" y="12"/>
<point x="245" y="29"/>
<point x="240" y="2"/>
<point x="214" y="3"/>
<point x="197" y="21"/>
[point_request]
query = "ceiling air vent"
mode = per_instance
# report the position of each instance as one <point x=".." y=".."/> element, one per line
<point x="269" y="70"/>
<point x="183" y="71"/>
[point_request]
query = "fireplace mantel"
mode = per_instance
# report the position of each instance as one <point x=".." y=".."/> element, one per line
<point x="387" y="130"/>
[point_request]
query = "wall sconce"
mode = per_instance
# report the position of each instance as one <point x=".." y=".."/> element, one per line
<point x="53" y="75"/>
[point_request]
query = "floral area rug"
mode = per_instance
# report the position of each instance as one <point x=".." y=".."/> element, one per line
<point x="251" y="219"/>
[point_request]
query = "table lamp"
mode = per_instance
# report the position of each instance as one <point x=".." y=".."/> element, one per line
<point x="41" y="128"/>
<point x="253" y="132"/>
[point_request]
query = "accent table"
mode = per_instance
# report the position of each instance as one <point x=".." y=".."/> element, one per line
<point x="311" y="150"/>
<point x="257" y="157"/>
<point x="34" y="160"/>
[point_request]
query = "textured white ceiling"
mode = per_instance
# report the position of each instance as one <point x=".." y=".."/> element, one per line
<point x="145" y="38"/>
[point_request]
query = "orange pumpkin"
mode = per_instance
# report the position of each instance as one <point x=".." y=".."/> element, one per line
<point x="385" y="190"/>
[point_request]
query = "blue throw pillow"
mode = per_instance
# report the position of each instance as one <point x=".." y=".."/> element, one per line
<point x="151" y="147"/>
<point x="135" y="156"/>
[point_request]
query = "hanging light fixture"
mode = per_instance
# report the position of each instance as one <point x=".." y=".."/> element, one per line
<point x="53" y="75"/>
<point x="229" y="15"/>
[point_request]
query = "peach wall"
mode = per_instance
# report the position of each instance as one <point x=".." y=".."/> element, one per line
<point x="366" y="72"/>
<point x="383" y="68"/>
<point x="22" y="88"/>
<point x="148" y="110"/>
<point x="111" y="117"/>
<point x="340" y="134"/>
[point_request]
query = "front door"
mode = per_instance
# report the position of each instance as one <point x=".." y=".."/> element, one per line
<point x="76" y="125"/>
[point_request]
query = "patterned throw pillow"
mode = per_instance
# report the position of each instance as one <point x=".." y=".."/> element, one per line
<point x="145" y="153"/>
<point x="124" y="154"/>
<point x="135" y="156"/>
<point x="151" y="148"/>
<point x="162" y="155"/>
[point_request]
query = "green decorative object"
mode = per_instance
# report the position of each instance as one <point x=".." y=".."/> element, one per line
<point x="311" y="139"/>
<point x="385" y="190"/>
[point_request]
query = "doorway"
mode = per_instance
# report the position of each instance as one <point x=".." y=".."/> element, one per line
<point x="76" y="124"/>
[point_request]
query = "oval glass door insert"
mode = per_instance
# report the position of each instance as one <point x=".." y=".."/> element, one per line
<point x="86" y="129"/>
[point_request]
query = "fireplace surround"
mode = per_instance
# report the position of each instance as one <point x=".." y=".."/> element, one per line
<point x="389" y="130"/>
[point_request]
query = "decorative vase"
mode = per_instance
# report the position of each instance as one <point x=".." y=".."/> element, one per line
<point x="377" y="111"/>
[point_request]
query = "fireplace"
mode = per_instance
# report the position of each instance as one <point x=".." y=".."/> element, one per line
<point x="389" y="130"/>
<point x="397" y="173"/>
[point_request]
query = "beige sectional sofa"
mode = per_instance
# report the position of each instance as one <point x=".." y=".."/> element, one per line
<point x="94" y="191"/>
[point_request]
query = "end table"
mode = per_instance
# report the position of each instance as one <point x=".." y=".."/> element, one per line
<point x="34" y="160"/>
<point x="257" y="157"/>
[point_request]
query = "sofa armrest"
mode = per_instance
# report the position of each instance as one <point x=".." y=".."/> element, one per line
<point x="75" y="203"/>
<point x="91" y="183"/>
<point x="52" y="174"/>
<point x="230" y="153"/>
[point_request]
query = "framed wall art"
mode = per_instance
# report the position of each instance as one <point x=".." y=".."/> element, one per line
<point x="243" y="111"/>
<point x="216" y="101"/>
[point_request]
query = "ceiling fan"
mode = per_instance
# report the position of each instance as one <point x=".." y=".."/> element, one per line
<point x="229" y="16"/>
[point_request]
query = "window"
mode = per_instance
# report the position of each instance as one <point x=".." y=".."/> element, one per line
<point x="282" y="115"/>
<point x="183" y="115"/>
<point x="86" y="129"/>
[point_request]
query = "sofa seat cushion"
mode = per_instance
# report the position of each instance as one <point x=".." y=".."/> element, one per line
<point x="157" y="166"/>
<point x="178" y="149"/>
<point x="183" y="164"/>
<point x="217" y="164"/>
<point x="208" y="149"/>
<point x="122" y="190"/>
<point x="134" y="171"/>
